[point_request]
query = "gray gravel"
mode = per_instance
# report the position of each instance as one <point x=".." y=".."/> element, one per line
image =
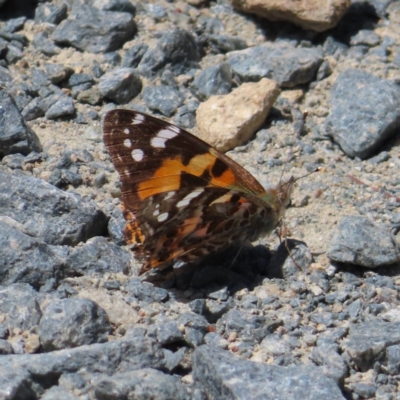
<point x="76" y="321"/>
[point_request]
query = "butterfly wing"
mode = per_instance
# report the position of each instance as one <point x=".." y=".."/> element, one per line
<point x="181" y="197"/>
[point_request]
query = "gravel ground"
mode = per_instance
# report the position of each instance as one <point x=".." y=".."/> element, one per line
<point x="76" y="321"/>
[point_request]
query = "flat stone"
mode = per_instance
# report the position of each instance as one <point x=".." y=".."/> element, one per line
<point x="15" y="135"/>
<point x="308" y="14"/>
<point x="368" y="341"/>
<point x="68" y="323"/>
<point x="55" y="216"/>
<point x="281" y="62"/>
<point x="224" y="376"/>
<point x="88" y="28"/>
<point x="141" y="384"/>
<point x="228" y="121"/>
<point x="365" y="112"/>
<point x="120" y="85"/>
<point x="360" y="241"/>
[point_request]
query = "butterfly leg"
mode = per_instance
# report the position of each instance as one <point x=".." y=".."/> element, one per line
<point x="282" y="231"/>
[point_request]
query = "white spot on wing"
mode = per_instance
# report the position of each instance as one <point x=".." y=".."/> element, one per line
<point x="156" y="212"/>
<point x="138" y="119"/>
<point x="168" y="133"/>
<point x="158" y="143"/>
<point x="162" y="217"/>
<point x="165" y="134"/>
<point x="186" y="200"/>
<point x="137" y="154"/>
<point x="126" y="131"/>
<point x="174" y="128"/>
<point x="127" y="143"/>
<point x="169" y="195"/>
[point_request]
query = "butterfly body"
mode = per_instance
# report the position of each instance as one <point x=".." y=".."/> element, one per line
<point x="181" y="198"/>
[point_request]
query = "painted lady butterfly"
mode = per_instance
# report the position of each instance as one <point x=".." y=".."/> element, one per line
<point x="182" y="199"/>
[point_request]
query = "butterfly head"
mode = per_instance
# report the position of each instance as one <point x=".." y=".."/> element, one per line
<point x="278" y="197"/>
<point x="284" y="192"/>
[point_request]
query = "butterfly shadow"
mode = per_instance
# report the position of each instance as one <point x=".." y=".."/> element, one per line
<point x="236" y="268"/>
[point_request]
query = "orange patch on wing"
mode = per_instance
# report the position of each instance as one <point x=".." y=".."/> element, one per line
<point x="227" y="178"/>
<point x="167" y="177"/>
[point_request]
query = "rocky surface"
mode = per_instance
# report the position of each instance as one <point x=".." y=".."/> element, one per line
<point x="76" y="322"/>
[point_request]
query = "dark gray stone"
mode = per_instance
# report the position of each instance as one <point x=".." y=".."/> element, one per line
<point x="195" y="328"/>
<point x="91" y="96"/>
<point x="253" y="327"/>
<point x="42" y="41"/>
<point x="364" y="390"/>
<point x="73" y="322"/>
<point x="98" y="256"/>
<point x="26" y="259"/>
<point x="15" y="135"/>
<point x="354" y="310"/>
<point x="365" y="111"/>
<point x="360" y="241"/>
<point x="14" y="24"/>
<point x="5" y="347"/>
<point x="34" y="109"/>
<point x="365" y="37"/>
<point x="58" y="72"/>
<point x="51" y="13"/>
<point x="90" y="29"/>
<point x="44" y="211"/>
<point x="19" y="305"/>
<point x="172" y="360"/>
<point x="5" y="78"/>
<point x="120" y="85"/>
<point x="380" y="158"/>
<point x="133" y="55"/>
<point x="186" y="115"/>
<point x="3" y="331"/>
<point x="164" y="99"/>
<point x="145" y="291"/>
<point x="214" y="80"/>
<point x="141" y="384"/>
<point x="63" y="107"/>
<point x="115" y="227"/>
<point x="225" y="43"/>
<point x="21" y="100"/>
<point x="177" y="48"/>
<point x="112" y="58"/>
<point x="215" y="309"/>
<point x="215" y="339"/>
<point x="156" y="11"/>
<point x="224" y="376"/>
<point x="13" y="54"/>
<point x="115" y="5"/>
<point x="367" y="342"/>
<point x="168" y="333"/>
<point x="79" y="79"/>
<point x="57" y="393"/>
<point x="333" y="366"/>
<point x="211" y="25"/>
<point x="26" y="375"/>
<point x="286" y="65"/>
<point x="13" y="161"/>
<point x="73" y="178"/>
<point x="100" y="180"/>
<point x="393" y="359"/>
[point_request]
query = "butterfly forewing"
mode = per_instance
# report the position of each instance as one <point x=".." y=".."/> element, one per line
<point x="182" y="199"/>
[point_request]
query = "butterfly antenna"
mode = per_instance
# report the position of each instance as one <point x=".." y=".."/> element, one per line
<point x="317" y="169"/>
<point x="298" y="131"/>
<point x="236" y="256"/>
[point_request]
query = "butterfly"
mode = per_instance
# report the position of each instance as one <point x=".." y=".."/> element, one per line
<point x="181" y="198"/>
